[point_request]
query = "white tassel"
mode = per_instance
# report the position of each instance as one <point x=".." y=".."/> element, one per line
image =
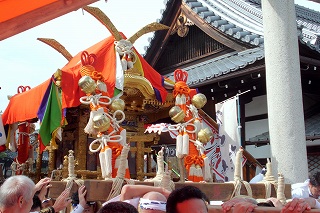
<point x="102" y="164"/>
<point x="207" y="170"/>
<point x="178" y="100"/>
<point x="105" y="162"/>
<point x="185" y="141"/>
<point x="123" y="133"/>
<point x="192" y="170"/>
<point x="198" y="171"/>
<point x="89" y="129"/>
<point x="179" y="145"/>
<point x="183" y="99"/>
<point x="101" y="86"/>
<point x="198" y="125"/>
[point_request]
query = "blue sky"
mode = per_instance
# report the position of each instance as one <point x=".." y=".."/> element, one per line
<point x="25" y="61"/>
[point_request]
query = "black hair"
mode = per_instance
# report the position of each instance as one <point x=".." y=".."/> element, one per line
<point x="183" y="194"/>
<point x="36" y="202"/>
<point x="75" y="199"/>
<point x="266" y="204"/>
<point x="315" y="178"/>
<point x="118" y="207"/>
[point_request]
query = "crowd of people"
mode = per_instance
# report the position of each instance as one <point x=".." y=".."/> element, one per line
<point x="19" y="194"/>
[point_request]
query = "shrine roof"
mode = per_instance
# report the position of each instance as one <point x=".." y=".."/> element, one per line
<point x="311" y="127"/>
<point x="221" y="65"/>
<point x="241" y="20"/>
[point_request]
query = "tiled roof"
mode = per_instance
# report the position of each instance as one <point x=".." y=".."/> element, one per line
<point x="236" y="18"/>
<point x="242" y="19"/>
<point x="312" y="129"/>
<point x="221" y="65"/>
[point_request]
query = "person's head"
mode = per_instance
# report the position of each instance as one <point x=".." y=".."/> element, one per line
<point x="16" y="194"/>
<point x="118" y="207"/>
<point x="36" y="206"/>
<point x="186" y="200"/>
<point x="152" y="202"/>
<point x="314" y="183"/>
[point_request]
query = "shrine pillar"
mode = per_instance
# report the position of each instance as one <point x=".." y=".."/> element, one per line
<point x="284" y="92"/>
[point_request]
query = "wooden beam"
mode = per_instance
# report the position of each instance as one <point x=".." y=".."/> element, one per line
<point x="39" y="16"/>
<point x="98" y="190"/>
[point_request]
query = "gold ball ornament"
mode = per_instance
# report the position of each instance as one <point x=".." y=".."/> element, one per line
<point x="87" y="84"/>
<point x="177" y="114"/>
<point x="101" y="122"/>
<point x="204" y="135"/>
<point x="199" y="100"/>
<point x="117" y="104"/>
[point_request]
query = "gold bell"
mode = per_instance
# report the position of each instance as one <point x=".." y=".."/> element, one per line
<point x="101" y="122"/>
<point x="87" y="84"/>
<point x="204" y="135"/>
<point x="199" y="100"/>
<point x="177" y="114"/>
<point x="117" y="104"/>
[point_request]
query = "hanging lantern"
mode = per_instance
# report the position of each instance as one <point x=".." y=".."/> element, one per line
<point x="177" y="114"/>
<point x="87" y="84"/>
<point x="101" y="122"/>
<point x="199" y="100"/>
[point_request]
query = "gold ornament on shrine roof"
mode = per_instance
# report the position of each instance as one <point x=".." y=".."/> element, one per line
<point x="199" y="100"/>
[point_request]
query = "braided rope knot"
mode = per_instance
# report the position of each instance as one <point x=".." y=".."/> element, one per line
<point x="193" y="159"/>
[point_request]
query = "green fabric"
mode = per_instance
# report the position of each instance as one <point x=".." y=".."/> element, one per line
<point x="52" y="116"/>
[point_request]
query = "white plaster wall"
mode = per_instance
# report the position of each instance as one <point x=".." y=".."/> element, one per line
<point x="257" y="106"/>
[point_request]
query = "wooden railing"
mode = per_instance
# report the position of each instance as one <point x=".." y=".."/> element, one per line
<point x="98" y="190"/>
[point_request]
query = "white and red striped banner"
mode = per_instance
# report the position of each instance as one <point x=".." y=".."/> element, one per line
<point x="229" y="140"/>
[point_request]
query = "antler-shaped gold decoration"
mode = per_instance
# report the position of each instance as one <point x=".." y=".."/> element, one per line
<point x="147" y="29"/>
<point x="57" y="46"/>
<point x="100" y="16"/>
